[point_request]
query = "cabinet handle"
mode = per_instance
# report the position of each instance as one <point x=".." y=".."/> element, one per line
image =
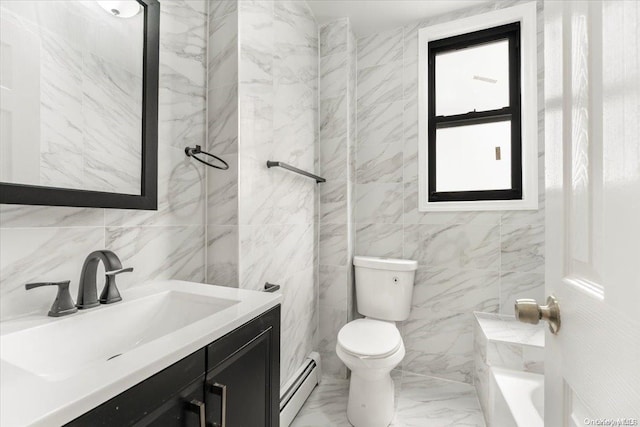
<point x="197" y="407"/>
<point x="223" y="409"/>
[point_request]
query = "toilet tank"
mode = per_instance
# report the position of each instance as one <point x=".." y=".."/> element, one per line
<point x="384" y="287"/>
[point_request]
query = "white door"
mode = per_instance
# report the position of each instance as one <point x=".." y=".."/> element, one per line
<point x="592" y="126"/>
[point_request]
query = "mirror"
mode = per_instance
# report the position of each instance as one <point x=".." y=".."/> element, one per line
<point x="79" y="96"/>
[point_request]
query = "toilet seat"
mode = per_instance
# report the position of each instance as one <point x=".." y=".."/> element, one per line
<point x="369" y="338"/>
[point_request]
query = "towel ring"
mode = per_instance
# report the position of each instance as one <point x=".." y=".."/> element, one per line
<point x="191" y="152"/>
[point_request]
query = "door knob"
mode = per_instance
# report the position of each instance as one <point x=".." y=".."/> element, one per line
<point x="529" y="311"/>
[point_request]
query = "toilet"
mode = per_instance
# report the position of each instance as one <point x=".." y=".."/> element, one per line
<point x="372" y="347"/>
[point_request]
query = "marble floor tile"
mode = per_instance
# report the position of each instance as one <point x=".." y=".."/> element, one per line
<point x="420" y="401"/>
<point x="327" y="405"/>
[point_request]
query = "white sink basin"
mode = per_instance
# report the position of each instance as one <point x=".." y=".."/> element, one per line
<point x="70" y="365"/>
<point x="69" y="346"/>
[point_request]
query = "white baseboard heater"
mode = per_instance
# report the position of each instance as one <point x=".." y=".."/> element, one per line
<point x="296" y="391"/>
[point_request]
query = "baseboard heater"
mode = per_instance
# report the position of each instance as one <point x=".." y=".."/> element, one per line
<point x="296" y="391"/>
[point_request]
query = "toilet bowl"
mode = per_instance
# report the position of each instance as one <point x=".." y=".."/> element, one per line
<point x="372" y="347"/>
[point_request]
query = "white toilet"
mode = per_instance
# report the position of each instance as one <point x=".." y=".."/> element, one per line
<point x="372" y="347"/>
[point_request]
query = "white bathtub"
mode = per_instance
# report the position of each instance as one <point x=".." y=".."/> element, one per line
<point x="519" y="398"/>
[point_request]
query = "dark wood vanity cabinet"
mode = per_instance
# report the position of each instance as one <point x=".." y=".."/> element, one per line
<point x="232" y="382"/>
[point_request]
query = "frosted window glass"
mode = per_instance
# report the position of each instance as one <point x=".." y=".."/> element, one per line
<point x="475" y="78"/>
<point x="466" y="157"/>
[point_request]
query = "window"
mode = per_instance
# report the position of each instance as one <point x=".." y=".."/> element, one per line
<point x="478" y="112"/>
<point x="474" y="116"/>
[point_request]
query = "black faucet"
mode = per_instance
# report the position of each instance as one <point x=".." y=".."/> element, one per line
<point x="88" y="290"/>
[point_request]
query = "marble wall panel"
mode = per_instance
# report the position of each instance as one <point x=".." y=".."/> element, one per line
<point x="337" y="196"/>
<point x="382" y="240"/>
<point x="278" y="120"/>
<point x="256" y="23"/>
<point x="454" y="246"/>
<point x="334" y="244"/>
<point x="333" y="37"/>
<point x="222" y="193"/>
<point x="294" y="197"/>
<point x="380" y="84"/>
<point x="22" y="216"/>
<point x="296" y="44"/>
<point x="222" y="211"/>
<point x="256" y="184"/>
<point x="332" y="313"/>
<point x="333" y="117"/>
<point x="379" y="203"/>
<point x="222" y="113"/>
<point x="182" y="100"/>
<point x="295" y="124"/>
<point x="332" y="69"/>
<point x="335" y="155"/>
<point x="222" y="45"/>
<point x="438" y="333"/>
<point x="158" y="253"/>
<point x="380" y="123"/>
<point x="222" y="255"/>
<point x="220" y="8"/>
<point x="379" y="163"/>
<point x="522" y="248"/>
<point x="380" y="48"/>
<point x="333" y="203"/>
<point x="299" y="321"/>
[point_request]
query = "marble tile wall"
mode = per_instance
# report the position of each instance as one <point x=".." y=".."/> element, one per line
<point x="263" y="105"/>
<point x="222" y="140"/>
<point x="278" y="120"/>
<point x="50" y="243"/>
<point x="467" y="260"/>
<point x="337" y="165"/>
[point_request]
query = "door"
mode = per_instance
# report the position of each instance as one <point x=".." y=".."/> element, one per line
<point x="592" y="131"/>
<point x="242" y="381"/>
<point x="184" y="409"/>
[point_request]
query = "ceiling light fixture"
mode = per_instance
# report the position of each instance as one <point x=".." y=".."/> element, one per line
<point x="121" y="8"/>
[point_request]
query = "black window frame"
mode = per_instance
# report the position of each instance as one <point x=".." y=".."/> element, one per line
<point x="512" y="112"/>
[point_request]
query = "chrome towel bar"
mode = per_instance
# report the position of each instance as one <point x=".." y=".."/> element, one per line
<point x="271" y="164"/>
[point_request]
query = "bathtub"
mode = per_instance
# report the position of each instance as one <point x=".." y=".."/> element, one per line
<point x="519" y="398"/>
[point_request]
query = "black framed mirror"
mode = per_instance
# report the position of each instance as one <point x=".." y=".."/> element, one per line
<point x="79" y="101"/>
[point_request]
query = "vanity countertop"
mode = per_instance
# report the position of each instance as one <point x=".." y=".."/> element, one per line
<point x="32" y="393"/>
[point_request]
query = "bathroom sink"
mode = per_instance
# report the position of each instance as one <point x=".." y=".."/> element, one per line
<point x="70" y="365"/>
<point x="90" y="339"/>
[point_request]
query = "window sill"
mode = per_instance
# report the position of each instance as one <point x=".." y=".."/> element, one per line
<point x="479" y="205"/>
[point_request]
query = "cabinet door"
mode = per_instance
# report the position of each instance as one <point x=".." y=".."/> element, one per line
<point x="237" y="391"/>
<point x="186" y="409"/>
<point x="242" y="386"/>
<point x="161" y="391"/>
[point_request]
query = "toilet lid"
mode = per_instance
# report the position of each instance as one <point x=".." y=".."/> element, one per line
<point x="368" y="337"/>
